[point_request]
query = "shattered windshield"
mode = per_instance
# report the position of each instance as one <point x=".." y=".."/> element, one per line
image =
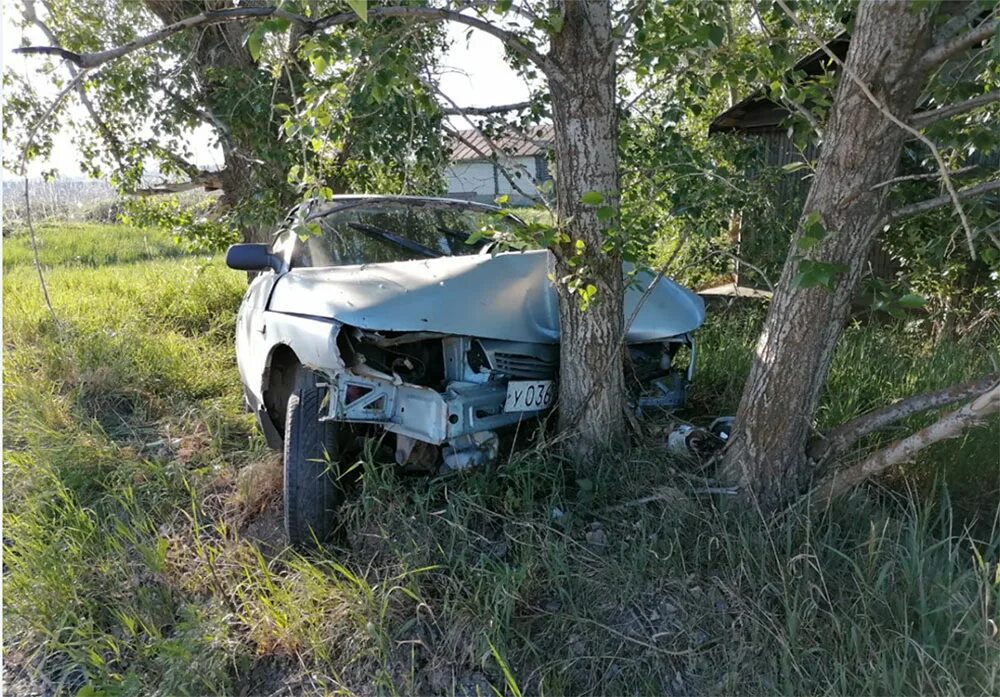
<point x="382" y="231"/>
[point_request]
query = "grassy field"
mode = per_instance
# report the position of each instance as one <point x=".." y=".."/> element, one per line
<point x="143" y="555"/>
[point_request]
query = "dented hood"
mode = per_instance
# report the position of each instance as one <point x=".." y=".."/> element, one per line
<point x="507" y="296"/>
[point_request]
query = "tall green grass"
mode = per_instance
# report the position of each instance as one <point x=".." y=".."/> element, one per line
<point x="141" y="553"/>
<point x="875" y="364"/>
<point x="88" y="244"/>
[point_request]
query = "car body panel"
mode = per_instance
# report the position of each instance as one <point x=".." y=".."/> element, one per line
<point x="492" y="318"/>
<point x="504" y="296"/>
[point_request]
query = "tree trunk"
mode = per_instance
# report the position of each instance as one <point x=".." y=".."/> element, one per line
<point x="767" y="451"/>
<point x="592" y="382"/>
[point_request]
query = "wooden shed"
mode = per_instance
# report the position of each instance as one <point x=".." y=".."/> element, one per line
<point x="761" y="242"/>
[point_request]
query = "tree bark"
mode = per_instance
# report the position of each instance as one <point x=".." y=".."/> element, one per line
<point x="592" y="382"/>
<point x="767" y="452"/>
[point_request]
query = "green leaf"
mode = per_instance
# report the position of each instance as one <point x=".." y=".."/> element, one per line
<point x="813" y="226"/>
<point x="592" y="198"/>
<point x="806" y="243"/>
<point x="605" y="212"/>
<point x="502" y="199"/>
<point x="912" y="301"/>
<point x="555" y="22"/>
<point x="818" y="273"/>
<point x="255" y="42"/>
<point x="360" y="8"/>
<point x="716" y="35"/>
<point x="794" y="166"/>
<point x="319" y="63"/>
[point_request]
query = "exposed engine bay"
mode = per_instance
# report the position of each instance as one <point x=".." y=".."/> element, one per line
<point x="447" y="397"/>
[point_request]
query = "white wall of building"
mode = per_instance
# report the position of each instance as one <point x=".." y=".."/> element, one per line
<point x="474" y="179"/>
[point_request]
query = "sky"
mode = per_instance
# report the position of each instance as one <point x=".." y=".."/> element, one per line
<point x="474" y="74"/>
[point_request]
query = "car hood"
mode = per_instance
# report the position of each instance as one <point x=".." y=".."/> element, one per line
<point x="506" y="296"/>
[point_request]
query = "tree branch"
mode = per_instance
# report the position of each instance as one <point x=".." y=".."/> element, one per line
<point x="432" y="14"/>
<point x="950" y="425"/>
<point x="840" y="439"/>
<point x="928" y="175"/>
<point x="484" y="110"/>
<point x="923" y="119"/>
<point x="29" y="141"/>
<point x="938" y="54"/>
<point x="202" y="113"/>
<point x="93" y="60"/>
<point x="426" y="14"/>
<point x="627" y="23"/>
<point x="877" y="103"/>
<point x="210" y="181"/>
<point x="110" y="138"/>
<point x="940" y="201"/>
<point x="965" y="16"/>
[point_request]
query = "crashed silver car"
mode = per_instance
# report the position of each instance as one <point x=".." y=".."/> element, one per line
<point x="375" y="314"/>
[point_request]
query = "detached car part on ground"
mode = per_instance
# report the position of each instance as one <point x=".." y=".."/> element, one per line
<point x="376" y="314"/>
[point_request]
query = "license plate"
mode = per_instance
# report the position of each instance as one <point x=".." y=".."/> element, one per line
<point x="529" y="395"/>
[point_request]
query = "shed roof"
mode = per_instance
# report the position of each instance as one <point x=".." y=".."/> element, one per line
<point x="473" y="145"/>
<point x="759" y="111"/>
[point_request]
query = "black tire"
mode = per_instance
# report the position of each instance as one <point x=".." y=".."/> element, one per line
<point x="312" y="492"/>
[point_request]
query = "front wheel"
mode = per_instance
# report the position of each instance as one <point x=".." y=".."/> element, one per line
<point x="312" y="491"/>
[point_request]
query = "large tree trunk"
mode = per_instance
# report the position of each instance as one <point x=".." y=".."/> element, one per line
<point x="592" y="383"/>
<point x="767" y="453"/>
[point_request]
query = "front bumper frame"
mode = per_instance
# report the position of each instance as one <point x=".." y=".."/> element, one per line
<point x="420" y="412"/>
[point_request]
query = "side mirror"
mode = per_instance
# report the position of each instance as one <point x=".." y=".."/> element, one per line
<point x="253" y="257"/>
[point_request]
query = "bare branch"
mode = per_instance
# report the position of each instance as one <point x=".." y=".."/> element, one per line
<point x="73" y="84"/>
<point x="938" y="54"/>
<point x="71" y="56"/>
<point x="923" y="119"/>
<point x="93" y="60"/>
<point x="928" y="175"/>
<point x="839" y="440"/>
<point x="950" y="425"/>
<point x="484" y="110"/>
<point x="209" y="181"/>
<point x="932" y="203"/>
<point x="432" y="14"/>
<point x="110" y="138"/>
